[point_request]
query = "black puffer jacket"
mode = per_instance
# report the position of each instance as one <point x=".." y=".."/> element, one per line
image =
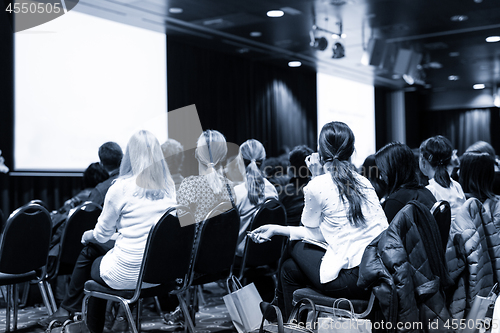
<point x="468" y="259"/>
<point x="407" y="282"/>
<point x="491" y="224"/>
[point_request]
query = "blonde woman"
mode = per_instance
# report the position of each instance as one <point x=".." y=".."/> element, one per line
<point x="254" y="190"/>
<point x="134" y="203"/>
<point x="204" y="192"/>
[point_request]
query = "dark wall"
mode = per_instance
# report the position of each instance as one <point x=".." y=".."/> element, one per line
<point x="244" y="99"/>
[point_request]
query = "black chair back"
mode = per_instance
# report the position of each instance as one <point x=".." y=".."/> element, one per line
<point x="255" y="254"/>
<point x="83" y="218"/>
<point x="169" y="248"/>
<point x="442" y="214"/>
<point x="217" y="240"/>
<point x="25" y="242"/>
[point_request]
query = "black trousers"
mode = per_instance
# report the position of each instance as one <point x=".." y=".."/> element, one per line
<point x="86" y="268"/>
<point x="300" y="268"/>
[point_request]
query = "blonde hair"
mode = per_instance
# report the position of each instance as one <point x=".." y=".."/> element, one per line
<point x="211" y="150"/>
<point x="252" y="152"/>
<point x="144" y="160"/>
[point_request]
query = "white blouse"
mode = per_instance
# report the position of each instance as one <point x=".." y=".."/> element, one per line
<point x="454" y="195"/>
<point x="132" y="217"/>
<point x="324" y="218"/>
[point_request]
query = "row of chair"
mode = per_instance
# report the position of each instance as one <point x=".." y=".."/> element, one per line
<point x="194" y="254"/>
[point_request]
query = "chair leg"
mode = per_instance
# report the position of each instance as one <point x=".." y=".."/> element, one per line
<point x="201" y="297"/>
<point x="15" y="300"/>
<point x="185" y="311"/>
<point x="52" y="300"/>
<point x="138" y="314"/>
<point x="130" y="318"/>
<point x="158" y="306"/>
<point x="26" y="291"/>
<point x="45" y="298"/>
<point x="7" y="312"/>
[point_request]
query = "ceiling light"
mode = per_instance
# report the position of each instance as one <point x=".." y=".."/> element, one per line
<point x="175" y="10"/>
<point x="255" y="34"/>
<point x="453" y="77"/>
<point x="294" y="64"/>
<point x="343" y="35"/>
<point x="409" y="79"/>
<point x="338" y="51"/>
<point x="454" y="54"/>
<point x="493" y="39"/>
<point x="335" y="36"/>
<point x="459" y="18"/>
<point x="275" y="13"/>
<point x="478" y="86"/>
<point x="496" y="100"/>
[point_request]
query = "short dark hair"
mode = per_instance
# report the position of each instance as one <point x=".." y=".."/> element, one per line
<point x="397" y="162"/>
<point x="94" y="175"/>
<point x="477" y="172"/>
<point x="297" y="158"/>
<point x="110" y="155"/>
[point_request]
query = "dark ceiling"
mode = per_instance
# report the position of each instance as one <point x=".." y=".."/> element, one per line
<point x="436" y="46"/>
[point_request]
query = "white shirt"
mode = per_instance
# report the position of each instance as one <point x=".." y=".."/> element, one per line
<point x="325" y="219"/>
<point x="247" y="209"/>
<point x="132" y="217"/>
<point x="454" y="195"/>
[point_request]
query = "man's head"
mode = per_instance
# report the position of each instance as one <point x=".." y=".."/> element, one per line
<point x="110" y="155"/>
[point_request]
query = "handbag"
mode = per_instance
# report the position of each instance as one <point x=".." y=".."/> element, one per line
<point x="477" y="318"/>
<point x="243" y="306"/>
<point x="348" y="323"/>
<point x="294" y="325"/>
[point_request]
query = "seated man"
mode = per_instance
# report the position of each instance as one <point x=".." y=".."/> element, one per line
<point x="110" y="155"/>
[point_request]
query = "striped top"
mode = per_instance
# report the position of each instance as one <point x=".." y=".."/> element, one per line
<point x="131" y="216"/>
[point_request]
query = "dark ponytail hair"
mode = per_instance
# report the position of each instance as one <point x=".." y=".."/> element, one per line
<point x="336" y="145"/>
<point x="437" y="151"/>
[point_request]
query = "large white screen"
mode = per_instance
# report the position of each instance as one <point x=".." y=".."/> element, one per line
<point x="352" y="103"/>
<point x="81" y="81"/>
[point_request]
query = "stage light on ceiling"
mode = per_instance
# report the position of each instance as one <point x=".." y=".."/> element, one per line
<point x="175" y="10"/>
<point x="478" y="86"/>
<point x="453" y="78"/>
<point x="294" y="64"/>
<point x="255" y="34"/>
<point x="459" y="18"/>
<point x="338" y="51"/>
<point x="275" y="13"/>
<point x="493" y="39"/>
<point x="319" y="43"/>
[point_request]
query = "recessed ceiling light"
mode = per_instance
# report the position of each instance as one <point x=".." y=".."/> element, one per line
<point x="478" y="86"/>
<point x="453" y="77"/>
<point x="255" y="34"/>
<point x="175" y="10"/>
<point x="343" y="36"/>
<point x="294" y="64"/>
<point x="454" y="54"/>
<point x="493" y="39"/>
<point x="275" y="13"/>
<point x="459" y="18"/>
<point x="335" y="36"/>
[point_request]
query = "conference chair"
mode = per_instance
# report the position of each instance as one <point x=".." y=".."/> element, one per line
<point x="24" y="247"/>
<point x="82" y="219"/>
<point x="166" y="262"/>
<point x="264" y="254"/>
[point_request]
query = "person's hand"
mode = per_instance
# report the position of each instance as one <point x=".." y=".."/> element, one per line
<point x="88" y="237"/>
<point x="263" y="233"/>
<point x="314" y="164"/>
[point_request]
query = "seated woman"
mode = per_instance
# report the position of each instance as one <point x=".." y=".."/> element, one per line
<point x="254" y="190"/>
<point x="341" y="209"/>
<point x="398" y="169"/>
<point x="436" y="154"/>
<point x="134" y="203"/>
<point x="204" y="192"/>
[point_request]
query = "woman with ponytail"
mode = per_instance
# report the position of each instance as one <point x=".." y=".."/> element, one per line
<point x="435" y="156"/>
<point x="254" y="190"/>
<point x="341" y="210"/>
<point x="204" y="192"/>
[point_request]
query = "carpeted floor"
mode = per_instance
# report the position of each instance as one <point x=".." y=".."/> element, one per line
<point x="212" y="317"/>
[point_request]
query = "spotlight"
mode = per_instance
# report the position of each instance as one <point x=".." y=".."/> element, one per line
<point x="338" y="51"/>
<point x="320" y="43"/>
